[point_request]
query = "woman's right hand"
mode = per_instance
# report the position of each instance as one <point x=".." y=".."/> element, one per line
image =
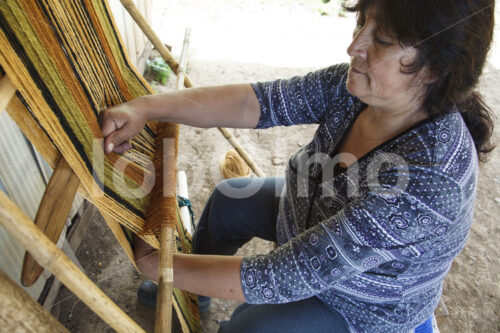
<point x="120" y="123"/>
<point x="233" y="106"/>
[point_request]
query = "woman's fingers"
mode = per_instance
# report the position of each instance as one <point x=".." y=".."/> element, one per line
<point x="123" y="147"/>
<point x="115" y="127"/>
<point x="107" y="121"/>
<point x="119" y="124"/>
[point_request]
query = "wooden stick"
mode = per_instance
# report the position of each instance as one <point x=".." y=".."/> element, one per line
<point x="21" y="313"/>
<point x="52" y="213"/>
<point x="169" y="59"/>
<point x="167" y="239"/>
<point x="7" y="91"/>
<point x="165" y="281"/>
<point x="53" y="259"/>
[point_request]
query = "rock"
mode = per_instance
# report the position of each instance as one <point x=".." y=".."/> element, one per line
<point x="277" y="161"/>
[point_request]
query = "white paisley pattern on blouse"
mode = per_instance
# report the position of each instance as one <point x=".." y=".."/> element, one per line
<point x="377" y="255"/>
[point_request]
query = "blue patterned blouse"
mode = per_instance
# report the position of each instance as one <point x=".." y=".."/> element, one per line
<point x="375" y="241"/>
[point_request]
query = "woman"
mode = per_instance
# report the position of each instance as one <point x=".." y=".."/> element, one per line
<point x="374" y="209"/>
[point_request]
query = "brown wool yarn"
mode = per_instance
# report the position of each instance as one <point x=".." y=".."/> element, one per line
<point x="231" y="165"/>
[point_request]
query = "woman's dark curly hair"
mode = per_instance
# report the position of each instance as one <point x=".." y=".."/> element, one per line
<point x="452" y="38"/>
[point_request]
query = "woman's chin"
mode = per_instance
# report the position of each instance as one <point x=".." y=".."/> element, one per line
<point x="354" y="88"/>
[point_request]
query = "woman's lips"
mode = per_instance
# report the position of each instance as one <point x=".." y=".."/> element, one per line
<point x="357" y="71"/>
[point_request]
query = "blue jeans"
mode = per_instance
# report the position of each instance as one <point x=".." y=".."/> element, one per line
<point x="238" y="210"/>
<point x="307" y="315"/>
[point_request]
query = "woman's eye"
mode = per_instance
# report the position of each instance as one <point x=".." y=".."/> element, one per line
<point x="382" y="42"/>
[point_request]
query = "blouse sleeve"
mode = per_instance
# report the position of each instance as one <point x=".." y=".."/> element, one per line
<point x="299" y="100"/>
<point x="378" y="227"/>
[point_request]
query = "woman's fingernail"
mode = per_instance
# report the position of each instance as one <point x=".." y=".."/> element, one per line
<point x="110" y="147"/>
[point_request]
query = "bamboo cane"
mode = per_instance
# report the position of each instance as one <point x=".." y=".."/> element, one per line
<point x="7" y="91"/>
<point x="169" y="59"/>
<point x="53" y="259"/>
<point x="21" y="313"/>
<point x="52" y="213"/>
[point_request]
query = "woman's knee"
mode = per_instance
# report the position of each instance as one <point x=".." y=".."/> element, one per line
<point x="238" y="188"/>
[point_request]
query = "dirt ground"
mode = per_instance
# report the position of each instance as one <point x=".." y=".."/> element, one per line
<point x="248" y="41"/>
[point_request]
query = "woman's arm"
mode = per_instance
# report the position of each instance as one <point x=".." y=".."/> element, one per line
<point x="207" y="275"/>
<point x="232" y="105"/>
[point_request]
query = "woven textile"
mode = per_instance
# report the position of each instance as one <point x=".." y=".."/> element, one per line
<point x="67" y="61"/>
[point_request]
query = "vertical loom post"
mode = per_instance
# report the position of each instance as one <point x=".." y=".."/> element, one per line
<point x="165" y="281"/>
<point x="53" y="259"/>
<point x="167" y="240"/>
<point x="161" y="219"/>
<point x="153" y="38"/>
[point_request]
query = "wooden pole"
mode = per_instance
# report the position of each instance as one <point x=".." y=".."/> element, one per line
<point x="21" y="313"/>
<point x="169" y="59"/>
<point x="52" y="213"/>
<point x="165" y="281"/>
<point x="53" y="259"/>
<point x="7" y="91"/>
<point x="167" y="239"/>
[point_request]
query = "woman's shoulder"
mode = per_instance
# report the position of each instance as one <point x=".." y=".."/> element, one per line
<point x="441" y="144"/>
<point x="334" y="80"/>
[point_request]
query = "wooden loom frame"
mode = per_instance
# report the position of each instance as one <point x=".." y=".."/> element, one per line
<point x="64" y="183"/>
<point x="42" y="247"/>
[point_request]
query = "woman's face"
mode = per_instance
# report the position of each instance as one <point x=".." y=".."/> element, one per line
<point x="375" y="75"/>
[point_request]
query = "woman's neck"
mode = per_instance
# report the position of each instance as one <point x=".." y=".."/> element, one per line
<point x="379" y="124"/>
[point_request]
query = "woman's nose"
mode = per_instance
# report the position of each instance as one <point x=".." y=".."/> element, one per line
<point x="358" y="45"/>
<point x="360" y="42"/>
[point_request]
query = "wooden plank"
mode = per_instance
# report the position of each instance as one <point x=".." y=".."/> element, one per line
<point x="7" y="91"/>
<point x="53" y="259"/>
<point x="21" y="313"/>
<point x="52" y="213"/>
